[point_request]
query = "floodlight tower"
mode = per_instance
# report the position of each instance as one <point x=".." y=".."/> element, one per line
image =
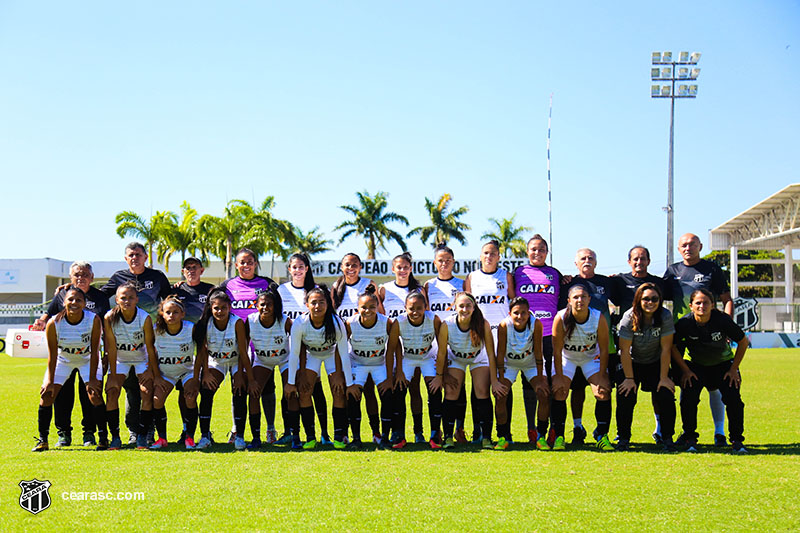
<point x="666" y="72"/>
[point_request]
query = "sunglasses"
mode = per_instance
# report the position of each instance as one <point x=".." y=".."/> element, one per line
<point x="651" y="299"/>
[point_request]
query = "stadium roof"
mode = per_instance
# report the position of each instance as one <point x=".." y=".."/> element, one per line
<point x="771" y="224"/>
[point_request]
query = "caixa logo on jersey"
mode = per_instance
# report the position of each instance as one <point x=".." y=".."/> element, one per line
<point x="34" y="497"/>
<point x="744" y="312"/>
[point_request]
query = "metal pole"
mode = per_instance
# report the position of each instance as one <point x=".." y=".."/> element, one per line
<point x="549" y="191"/>
<point x="670" y="205"/>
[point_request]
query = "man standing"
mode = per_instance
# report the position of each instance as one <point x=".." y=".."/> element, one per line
<point x="152" y="286"/>
<point x="81" y="276"/>
<point x="193" y="292"/>
<point x="682" y="279"/>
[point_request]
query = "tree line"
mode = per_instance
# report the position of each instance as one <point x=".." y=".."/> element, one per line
<point x="243" y="224"/>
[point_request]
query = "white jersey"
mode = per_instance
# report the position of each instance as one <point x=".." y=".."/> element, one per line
<point x="270" y="345"/>
<point x="491" y="293"/>
<point x="75" y="340"/>
<point x="368" y="345"/>
<point x="441" y="294"/>
<point x="222" y="345"/>
<point x="519" y="344"/>
<point x="130" y="338"/>
<point x="418" y="341"/>
<point x="349" y="305"/>
<point x="304" y="333"/>
<point x="175" y="353"/>
<point x="394" y="299"/>
<point x="460" y="342"/>
<point x="293" y="300"/>
<point x="581" y="347"/>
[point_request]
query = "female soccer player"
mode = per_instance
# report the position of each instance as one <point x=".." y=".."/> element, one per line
<point x="469" y="339"/>
<point x="580" y="340"/>
<point x="416" y="330"/>
<point x="175" y="353"/>
<point x="440" y="292"/>
<point x="368" y="333"/>
<point x="221" y="350"/>
<point x="492" y="288"/>
<point x="541" y="286"/>
<point x="705" y="334"/>
<point x="243" y="290"/>
<point x="268" y="331"/>
<point x="645" y="340"/>
<point x="129" y="344"/>
<point x="73" y="340"/>
<point x="346" y="289"/>
<point x="519" y="350"/>
<point x="321" y="332"/>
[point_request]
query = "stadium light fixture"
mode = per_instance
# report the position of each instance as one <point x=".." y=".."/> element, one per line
<point x="665" y="72"/>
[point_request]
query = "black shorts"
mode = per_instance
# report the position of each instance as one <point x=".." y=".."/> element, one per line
<point x="645" y="374"/>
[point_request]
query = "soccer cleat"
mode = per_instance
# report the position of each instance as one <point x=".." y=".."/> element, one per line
<point x="102" y="445"/>
<point x="272" y="436"/>
<point x="670" y="447"/>
<point x="578" y="435"/>
<point x="739" y="449"/>
<point x="151" y="436"/>
<point x="160" y="444"/>
<point x="434" y="445"/>
<point x="297" y="444"/>
<point x="533" y="435"/>
<point x="284" y="440"/>
<point x="239" y="443"/>
<point x="623" y="445"/>
<point x="559" y="445"/>
<point x="541" y="444"/>
<point x="419" y="438"/>
<point x="310" y="445"/>
<point x="460" y="436"/>
<point x="657" y="438"/>
<point x="339" y="445"/>
<point x="502" y="444"/>
<point x="41" y="446"/>
<point x="64" y="439"/>
<point x="231" y="437"/>
<point x="181" y="439"/>
<point x="325" y="439"/>
<point x="188" y="442"/>
<point x="132" y="438"/>
<point x="204" y="443"/>
<point x="690" y="445"/>
<point x="486" y="444"/>
<point x="376" y="438"/>
<point x="141" y="442"/>
<point x="355" y="445"/>
<point x="115" y="444"/>
<point x="449" y="443"/>
<point x="88" y="440"/>
<point x="604" y="444"/>
<point x="255" y="444"/>
<point x="436" y="436"/>
<point x="399" y="445"/>
<point x="720" y="441"/>
<point x="551" y="437"/>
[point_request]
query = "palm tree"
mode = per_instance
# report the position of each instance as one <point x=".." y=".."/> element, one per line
<point x="178" y="237"/>
<point x="129" y="223"/>
<point x="370" y="221"/>
<point x="222" y="236"/>
<point x="508" y="235"/>
<point x="444" y="226"/>
<point x="266" y="233"/>
<point x="312" y="242"/>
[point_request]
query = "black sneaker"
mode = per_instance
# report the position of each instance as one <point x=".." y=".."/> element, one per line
<point x="657" y="438"/>
<point x="132" y="438"/>
<point x="102" y="445"/>
<point x="720" y="441"/>
<point x="681" y="440"/>
<point x="739" y="449"/>
<point x="623" y="445"/>
<point x="88" y="440"/>
<point x="578" y="435"/>
<point x="355" y="445"/>
<point x="670" y="447"/>
<point x="690" y="445"/>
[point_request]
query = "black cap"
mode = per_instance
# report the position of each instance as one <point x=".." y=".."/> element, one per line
<point x="191" y="260"/>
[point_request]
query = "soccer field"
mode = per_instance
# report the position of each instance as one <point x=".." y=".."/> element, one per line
<point x="467" y="489"/>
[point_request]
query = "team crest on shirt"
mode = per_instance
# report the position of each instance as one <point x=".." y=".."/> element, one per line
<point x="34" y="498"/>
<point x="699" y="278"/>
<point x="380" y="340"/>
<point x="549" y="277"/>
<point x="86" y="337"/>
<point x="428" y="338"/>
<point x="716" y="336"/>
<point x="601" y="290"/>
<point x="185" y="347"/>
<point x="278" y="339"/>
<point x="138" y="336"/>
<point x="591" y="337"/>
<point x="501" y="285"/>
<point x="148" y="285"/>
<point x="656" y="332"/>
<point x="453" y="292"/>
<point x="90" y="305"/>
<point x="202" y="298"/>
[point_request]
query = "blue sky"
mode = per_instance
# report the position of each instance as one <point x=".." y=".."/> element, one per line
<point x="107" y="107"/>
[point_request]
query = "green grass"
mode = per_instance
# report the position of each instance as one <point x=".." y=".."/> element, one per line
<point x="470" y="489"/>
